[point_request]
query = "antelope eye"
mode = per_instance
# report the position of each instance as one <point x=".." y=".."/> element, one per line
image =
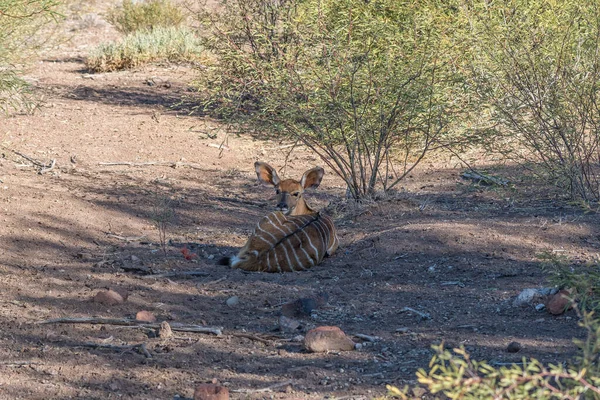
<point x="277" y="191"/>
<point x="296" y="194"/>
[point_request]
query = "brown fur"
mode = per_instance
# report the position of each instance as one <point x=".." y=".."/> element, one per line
<point x="293" y="238"/>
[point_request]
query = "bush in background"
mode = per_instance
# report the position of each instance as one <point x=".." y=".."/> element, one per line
<point x="157" y="45"/>
<point x="370" y="86"/>
<point x="135" y="16"/>
<point x="536" y="64"/>
<point x="20" y="23"/>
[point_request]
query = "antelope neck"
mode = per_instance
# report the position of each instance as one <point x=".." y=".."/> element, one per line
<point x="301" y="208"/>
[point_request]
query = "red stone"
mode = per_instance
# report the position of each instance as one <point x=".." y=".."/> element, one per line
<point x="209" y="391"/>
<point x="145" y="316"/>
<point x="559" y="303"/>
<point x="108" y="298"/>
<point x="327" y="338"/>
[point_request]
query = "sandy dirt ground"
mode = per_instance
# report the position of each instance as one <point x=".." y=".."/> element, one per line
<point x="442" y="246"/>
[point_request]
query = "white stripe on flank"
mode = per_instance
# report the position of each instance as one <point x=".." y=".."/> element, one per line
<point x="287" y="257"/>
<point x="276" y="227"/>
<point x="265" y="240"/>
<point x="268" y="233"/>
<point x="281" y="223"/>
<point x="311" y="245"/>
<point x="296" y="255"/>
<point x="317" y="225"/>
<point x="276" y="261"/>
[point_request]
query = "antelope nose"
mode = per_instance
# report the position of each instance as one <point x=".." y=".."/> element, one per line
<point x="282" y="206"/>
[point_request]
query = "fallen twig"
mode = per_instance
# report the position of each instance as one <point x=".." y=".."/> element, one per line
<point x="484" y="178"/>
<point x="221" y="279"/>
<point x="170" y="164"/>
<point x="423" y="315"/>
<point x="367" y="337"/>
<point x="45" y="169"/>
<point x="141" y="347"/>
<point x="130" y="322"/>
<point x="267" y="389"/>
<point x="18" y="363"/>
<point x="252" y="337"/>
<point x="177" y="274"/>
<point x="218" y="146"/>
<point x="452" y="283"/>
<point x="125" y="238"/>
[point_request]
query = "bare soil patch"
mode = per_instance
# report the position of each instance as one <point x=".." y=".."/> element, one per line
<point x="442" y="246"/>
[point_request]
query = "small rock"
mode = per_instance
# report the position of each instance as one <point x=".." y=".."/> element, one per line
<point x="402" y="330"/>
<point x="209" y="391"/>
<point x="145" y="316"/>
<point x="108" y="298"/>
<point x="526" y="297"/>
<point x="288" y="324"/>
<point x="559" y="302"/>
<point x="298" y="338"/>
<point x="327" y="338"/>
<point x="540" y="307"/>
<point x="358" y="346"/>
<point x="135" y="259"/>
<point x="547" y="291"/>
<point x="165" y="332"/>
<point x="233" y="301"/>
<point x="513" y="347"/>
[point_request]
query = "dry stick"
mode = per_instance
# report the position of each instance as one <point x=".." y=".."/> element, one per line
<point x="419" y="313"/>
<point x="130" y="322"/>
<point x="153" y="163"/>
<point x="47" y="169"/>
<point x="140" y="347"/>
<point x="251" y="337"/>
<point x="367" y="337"/>
<point x="125" y="238"/>
<point x="18" y="363"/>
<point x="267" y="389"/>
<point x="177" y="274"/>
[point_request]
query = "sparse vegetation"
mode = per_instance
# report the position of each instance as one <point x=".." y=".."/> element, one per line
<point x="457" y="376"/>
<point x="20" y="21"/>
<point x="163" y="216"/>
<point x="369" y="86"/>
<point x="536" y="68"/>
<point x="582" y="280"/>
<point x="142" y="47"/>
<point x="132" y="16"/>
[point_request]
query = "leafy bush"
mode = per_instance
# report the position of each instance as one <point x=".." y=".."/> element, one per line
<point x="20" y="21"/>
<point x="583" y="280"/>
<point x="459" y="377"/>
<point x="132" y="16"/>
<point x="536" y="64"/>
<point x="142" y="47"/>
<point x="367" y="85"/>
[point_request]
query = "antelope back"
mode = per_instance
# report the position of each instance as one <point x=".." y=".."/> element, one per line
<point x="285" y="243"/>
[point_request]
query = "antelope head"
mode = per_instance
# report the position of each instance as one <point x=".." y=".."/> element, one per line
<point x="289" y="192"/>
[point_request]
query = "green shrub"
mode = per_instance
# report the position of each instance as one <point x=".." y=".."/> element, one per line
<point x="457" y="376"/>
<point x="142" y="47"/>
<point x="535" y="64"/>
<point x="582" y="280"/>
<point x="370" y="86"/>
<point x="20" y="23"/>
<point x="133" y="16"/>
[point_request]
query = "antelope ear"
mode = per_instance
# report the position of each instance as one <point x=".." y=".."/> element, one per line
<point x="312" y="178"/>
<point x="266" y="174"/>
